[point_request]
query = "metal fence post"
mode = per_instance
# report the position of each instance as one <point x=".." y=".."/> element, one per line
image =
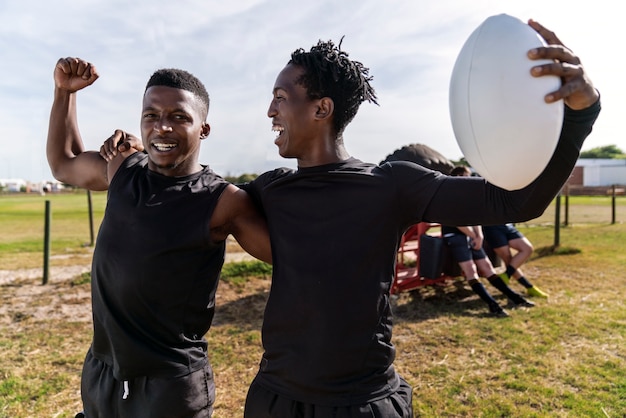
<point x="566" y="220"/>
<point x="46" y="244"/>
<point x="557" y="221"/>
<point x="90" y="218"/>
<point x="613" y="208"/>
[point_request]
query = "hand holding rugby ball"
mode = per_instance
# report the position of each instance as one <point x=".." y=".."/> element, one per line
<point x="505" y="129"/>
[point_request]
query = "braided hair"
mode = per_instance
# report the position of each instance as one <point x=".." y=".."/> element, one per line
<point x="328" y="72"/>
<point x="180" y="79"/>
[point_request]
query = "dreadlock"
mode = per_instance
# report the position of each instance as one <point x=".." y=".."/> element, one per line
<point x="180" y="79"/>
<point x="328" y="72"/>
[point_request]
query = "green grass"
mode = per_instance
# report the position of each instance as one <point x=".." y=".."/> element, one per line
<point x="22" y="226"/>
<point x="566" y="357"/>
<point x="238" y="273"/>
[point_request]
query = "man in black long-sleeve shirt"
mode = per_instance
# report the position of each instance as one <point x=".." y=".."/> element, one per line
<point x="335" y="224"/>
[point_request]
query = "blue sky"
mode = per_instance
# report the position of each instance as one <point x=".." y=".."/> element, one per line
<point x="237" y="48"/>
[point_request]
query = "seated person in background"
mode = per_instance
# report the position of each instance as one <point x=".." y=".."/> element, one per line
<point x="465" y="243"/>
<point x="501" y="238"/>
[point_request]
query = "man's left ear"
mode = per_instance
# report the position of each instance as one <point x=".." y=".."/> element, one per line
<point x="206" y="129"/>
<point x="325" y="108"/>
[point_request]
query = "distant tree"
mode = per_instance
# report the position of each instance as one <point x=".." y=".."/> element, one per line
<point x="607" y="151"/>
<point x="244" y="178"/>
<point x="461" y="161"/>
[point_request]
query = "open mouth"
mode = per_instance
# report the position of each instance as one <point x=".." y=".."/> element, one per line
<point x="278" y="129"/>
<point x="163" y="147"/>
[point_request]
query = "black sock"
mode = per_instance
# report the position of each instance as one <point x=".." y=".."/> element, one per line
<point x="480" y="290"/>
<point x="522" y="280"/>
<point x="497" y="282"/>
<point x="510" y="270"/>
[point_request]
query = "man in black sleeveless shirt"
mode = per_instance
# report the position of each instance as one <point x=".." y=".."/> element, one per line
<point x="159" y="250"/>
<point x="335" y="224"/>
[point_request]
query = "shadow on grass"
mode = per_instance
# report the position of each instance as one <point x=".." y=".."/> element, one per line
<point x="551" y="250"/>
<point x="246" y="312"/>
<point x="452" y="299"/>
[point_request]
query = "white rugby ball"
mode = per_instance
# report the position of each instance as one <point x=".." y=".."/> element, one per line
<point x="505" y="129"/>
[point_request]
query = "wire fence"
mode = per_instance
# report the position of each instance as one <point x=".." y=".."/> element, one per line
<point x="604" y="205"/>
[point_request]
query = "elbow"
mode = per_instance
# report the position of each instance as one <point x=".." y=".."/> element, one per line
<point x="528" y="215"/>
<point x="57" y="172"/>
<point x="536" y="214"/>
<point x="56" y="163"/>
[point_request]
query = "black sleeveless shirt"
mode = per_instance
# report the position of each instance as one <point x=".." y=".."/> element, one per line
<point x="155" y="271"/>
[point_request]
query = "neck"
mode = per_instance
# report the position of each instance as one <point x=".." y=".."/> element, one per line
<point x="327" y="155"/>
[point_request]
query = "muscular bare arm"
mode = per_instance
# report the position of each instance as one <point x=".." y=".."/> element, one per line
<point x="65" y="150"/>
<point x="235" y="214"/>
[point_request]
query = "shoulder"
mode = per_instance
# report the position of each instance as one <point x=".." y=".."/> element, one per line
<point x="405" y="166"/>
<point x="137" y="159"/>
<point x="266" y="179"/>
<point x="211" y="181"/>
<point x="129" y="167"/>
<point x="273" y="175"/>
<point x="408" y="171"/>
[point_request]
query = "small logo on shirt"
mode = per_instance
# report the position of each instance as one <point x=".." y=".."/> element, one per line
<point x="151" y="203"/>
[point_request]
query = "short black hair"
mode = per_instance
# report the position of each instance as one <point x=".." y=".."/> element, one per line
<point x="328" y="72"/>
<point x="180" y="79"/>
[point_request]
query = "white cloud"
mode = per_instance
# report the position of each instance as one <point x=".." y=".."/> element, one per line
<point x="237" y="49"/>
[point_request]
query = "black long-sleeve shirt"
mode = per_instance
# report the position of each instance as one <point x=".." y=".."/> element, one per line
<point x="335" y="231"/>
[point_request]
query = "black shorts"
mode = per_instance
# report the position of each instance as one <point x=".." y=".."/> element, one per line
<point x="104" y="396"/>
<point x="263" y="403"/>
<point x="460" y="248"/>
<point x="499" y="235"/>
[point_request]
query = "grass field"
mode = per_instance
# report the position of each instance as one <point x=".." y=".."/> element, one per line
<point x="22" y="223"/>
<point x="566" y="357"/>
<point x="22" y="220"/>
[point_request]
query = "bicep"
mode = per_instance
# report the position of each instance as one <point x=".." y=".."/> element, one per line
<point x="87" y="170"/>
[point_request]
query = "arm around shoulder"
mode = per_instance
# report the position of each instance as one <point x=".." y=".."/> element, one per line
<point x="235" y="214"/>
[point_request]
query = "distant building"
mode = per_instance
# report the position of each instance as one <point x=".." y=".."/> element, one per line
<point x="598" y="172"/>
<point x="13" y="185"/>
<point x="19" y="185"/>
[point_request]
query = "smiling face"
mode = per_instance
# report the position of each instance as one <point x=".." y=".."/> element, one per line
<point x="293" y="115"/>
<point x="172" y="126"/>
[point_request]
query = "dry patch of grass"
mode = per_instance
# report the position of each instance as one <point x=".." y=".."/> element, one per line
<point x="235" y="342"/>
<point x="563" y="358"/>
<point x="45" y="332"/>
